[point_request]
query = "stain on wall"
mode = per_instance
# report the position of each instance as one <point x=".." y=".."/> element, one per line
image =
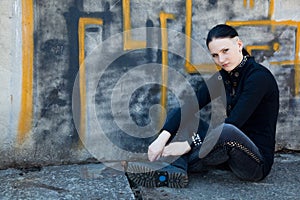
<point x="61" y="38"/>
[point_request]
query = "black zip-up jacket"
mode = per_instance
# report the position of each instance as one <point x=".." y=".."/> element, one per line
<point x="252" y="104"/>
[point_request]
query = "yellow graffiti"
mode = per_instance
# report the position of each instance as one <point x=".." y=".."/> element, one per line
<point x="271" y="9"/>
<point x="297" y="61"/>
<point x="25" y="120"/>
<point x="26" y="111"/>
<point x="129" y="43"/>
<point x="273" y="24"/>
<point x="164" y="38"/>
<point x="82" y="75"/>
<point x="188" y="32"/>
<point x="251" y="3"/>
<point x="193" y="68"/>
<point x="275" y="47"/>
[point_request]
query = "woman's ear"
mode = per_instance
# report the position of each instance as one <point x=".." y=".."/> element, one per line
<point x="240" y="44"/>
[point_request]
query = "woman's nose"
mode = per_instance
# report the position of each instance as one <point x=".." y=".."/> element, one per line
<point x="221" y="58"/>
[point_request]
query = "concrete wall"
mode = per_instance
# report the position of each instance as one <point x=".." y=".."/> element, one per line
<point x="81" y="79"/>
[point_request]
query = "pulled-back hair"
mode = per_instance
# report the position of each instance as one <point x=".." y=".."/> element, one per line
<point x="222" y="31"/>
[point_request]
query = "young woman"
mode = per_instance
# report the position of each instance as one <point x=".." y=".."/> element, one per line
<point x="246" y="139"/>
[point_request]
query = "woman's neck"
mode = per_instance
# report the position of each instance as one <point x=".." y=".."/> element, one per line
<point x="242" y="61"/>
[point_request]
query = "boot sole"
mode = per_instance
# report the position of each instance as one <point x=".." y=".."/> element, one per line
<point x="145" y="176"/>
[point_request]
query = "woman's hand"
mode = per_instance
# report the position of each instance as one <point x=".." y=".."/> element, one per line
<point x="176" y="149"/>
<point x="156" y="148"/>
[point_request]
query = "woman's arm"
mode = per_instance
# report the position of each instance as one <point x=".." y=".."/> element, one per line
<point x="156" y="148"/>
<point x="184" y="121"/>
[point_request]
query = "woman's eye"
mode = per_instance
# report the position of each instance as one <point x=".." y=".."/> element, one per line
<point x="225" y="50"/>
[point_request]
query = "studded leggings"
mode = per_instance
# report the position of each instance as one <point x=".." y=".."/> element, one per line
<point x="232" y="147"/>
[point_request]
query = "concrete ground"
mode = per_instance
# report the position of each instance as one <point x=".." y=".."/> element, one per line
<point x="98" y="181"/>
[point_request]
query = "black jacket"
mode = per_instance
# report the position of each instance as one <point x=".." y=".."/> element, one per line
<point x="252" y="104"/>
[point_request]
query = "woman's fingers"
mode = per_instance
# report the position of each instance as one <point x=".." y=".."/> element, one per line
<point x="176" y="149"/>
<point x="155" y="149"/>
<point x="152" y="155"/>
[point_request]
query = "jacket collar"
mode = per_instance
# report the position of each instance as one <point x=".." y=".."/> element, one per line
<point x="235" y="73"/>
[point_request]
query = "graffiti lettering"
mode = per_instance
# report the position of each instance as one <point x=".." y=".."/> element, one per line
<point x="82" y="79"/>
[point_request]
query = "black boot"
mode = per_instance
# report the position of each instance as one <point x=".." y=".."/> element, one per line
<point x="156" y="174"/>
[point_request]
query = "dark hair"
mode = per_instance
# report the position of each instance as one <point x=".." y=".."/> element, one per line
<point x="222" y="31"/>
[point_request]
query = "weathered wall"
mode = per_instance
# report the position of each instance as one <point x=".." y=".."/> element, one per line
<point x="78" y="84"/>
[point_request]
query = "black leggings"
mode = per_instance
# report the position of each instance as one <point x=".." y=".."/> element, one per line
<point x="232" y="147"/>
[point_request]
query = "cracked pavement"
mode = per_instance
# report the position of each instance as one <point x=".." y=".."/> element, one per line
<point x="99" y="181"/>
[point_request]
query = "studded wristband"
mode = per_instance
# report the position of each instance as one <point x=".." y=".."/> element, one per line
<point x="196" y="140"/>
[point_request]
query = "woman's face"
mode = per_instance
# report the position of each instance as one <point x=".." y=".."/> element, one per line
<point x="226" y="52"/>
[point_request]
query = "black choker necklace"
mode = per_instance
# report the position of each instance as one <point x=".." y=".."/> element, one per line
<point x="243" y="62"/>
